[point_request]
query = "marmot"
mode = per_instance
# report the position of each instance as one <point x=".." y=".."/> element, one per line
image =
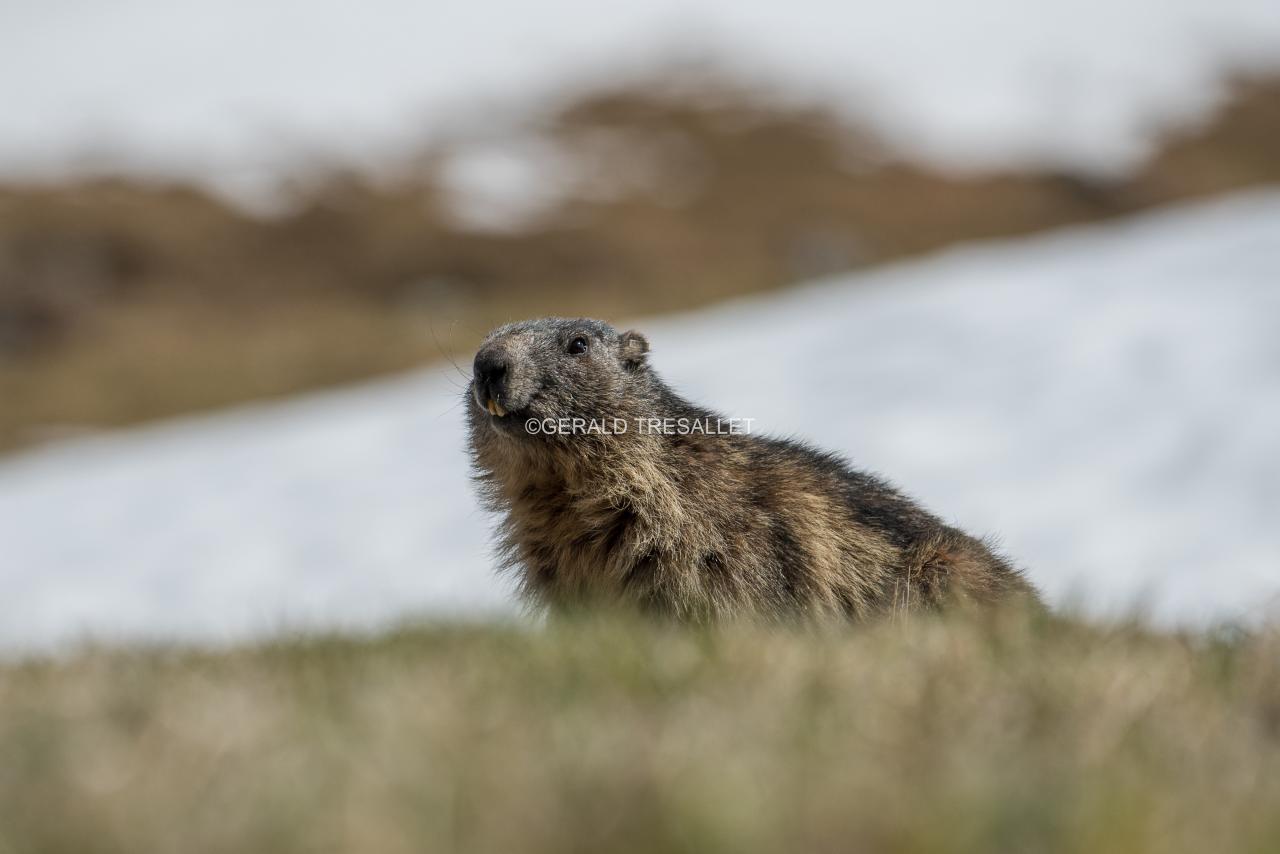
<point x="616" y="490"/>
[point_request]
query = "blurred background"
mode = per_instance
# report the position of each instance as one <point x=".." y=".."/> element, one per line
<point x="212" y="214"/>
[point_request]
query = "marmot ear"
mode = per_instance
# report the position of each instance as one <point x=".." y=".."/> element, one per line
<point x="633" y="346"/>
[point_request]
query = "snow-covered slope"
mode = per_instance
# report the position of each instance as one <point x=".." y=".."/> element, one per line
<point x="1106" y="399"/>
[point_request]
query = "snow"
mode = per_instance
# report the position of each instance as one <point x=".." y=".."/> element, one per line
<point x="1107" y="399"/>
<point x="236" y="92"/>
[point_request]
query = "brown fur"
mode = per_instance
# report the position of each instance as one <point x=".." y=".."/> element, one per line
<point x="697" y="526"/>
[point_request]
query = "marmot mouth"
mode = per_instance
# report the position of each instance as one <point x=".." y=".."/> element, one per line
<point x="492" y="406"/>
<point x="501" y="415"/>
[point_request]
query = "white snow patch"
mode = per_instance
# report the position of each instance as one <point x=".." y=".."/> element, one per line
<point x="237" y="92"/>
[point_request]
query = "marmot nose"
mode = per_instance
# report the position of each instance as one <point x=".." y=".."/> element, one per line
<point x="490" y="367"/>
<point x="490" y="371"/>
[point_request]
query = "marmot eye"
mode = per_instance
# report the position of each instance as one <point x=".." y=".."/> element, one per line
<point x="577" y="346"/>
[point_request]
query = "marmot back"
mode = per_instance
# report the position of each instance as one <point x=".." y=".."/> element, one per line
<point x="615" y="490"/>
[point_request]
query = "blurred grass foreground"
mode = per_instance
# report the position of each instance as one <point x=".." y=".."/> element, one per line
<point x="124" y="301"/>
<point x="1008" y="733"/>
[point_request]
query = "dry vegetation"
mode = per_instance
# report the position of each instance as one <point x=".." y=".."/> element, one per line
<point x="957" y="735"/>
<point x="121" y="302"/>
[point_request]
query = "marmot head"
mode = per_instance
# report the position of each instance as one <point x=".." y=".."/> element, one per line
<point x="557" y="368"/>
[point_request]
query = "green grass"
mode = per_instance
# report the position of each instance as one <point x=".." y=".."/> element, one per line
<point x="1009" y="734"/>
